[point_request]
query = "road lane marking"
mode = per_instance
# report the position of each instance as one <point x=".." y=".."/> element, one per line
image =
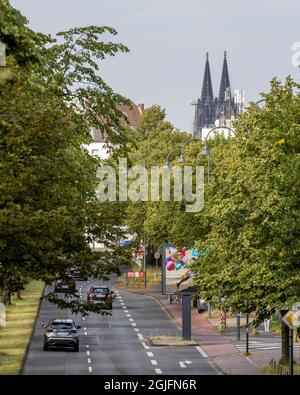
<point x="253" y="363"/>
<point x="184" y="363"/>
<point x="125" y="311"/>
<point x="87" y="346"/>
<point x="150" y="354"/>
<point x="84" y="329"/>
<point x="202" y="352"/>
<point x="128" y="315"/>
<point x="136" y="329"/>
<point x="83" y="318"/>
<point x="133" y="324"/>
<point x="131" y="319"/>
<point x="90" y="369"/>
<point x="145" y="346"/>
<point x="89" y="360"/>
<point x="85" y="333"/>
<point x="140" y="336"/>
<point x="154" y="362"/>
<point x="158" y="371"/>
<point x="88" y="353"/>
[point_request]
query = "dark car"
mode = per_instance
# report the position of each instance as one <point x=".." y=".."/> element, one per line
<point x="202" y="305"/>
<point x="100" y="294"/>
<point x="76" y="273"/>
<point x="65" y="285"/>
<point x="61" y="333"/>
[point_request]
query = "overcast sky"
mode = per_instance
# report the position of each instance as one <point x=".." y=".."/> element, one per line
<point x="168" y="40"/>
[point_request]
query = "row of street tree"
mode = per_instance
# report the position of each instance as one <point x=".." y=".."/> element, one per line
<point x="251" y="216"/>
<point x="51" y="95"/>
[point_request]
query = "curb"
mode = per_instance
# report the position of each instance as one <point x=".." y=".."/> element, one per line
<point x="31" y="335"/>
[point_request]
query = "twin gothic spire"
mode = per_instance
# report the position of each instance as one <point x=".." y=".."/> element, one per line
<point x="208" y="109"/>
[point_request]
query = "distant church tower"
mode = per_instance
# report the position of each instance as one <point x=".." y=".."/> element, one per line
<point x="209" y="109"/>
<point x="225" y="106"/>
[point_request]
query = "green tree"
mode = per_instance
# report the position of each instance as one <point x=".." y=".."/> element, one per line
<point x="48" y="208"/>
<point x="253" y="209"/>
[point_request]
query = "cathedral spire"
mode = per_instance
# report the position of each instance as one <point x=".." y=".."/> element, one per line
<point x="225" y="83"/>
<point x="207" y="90"/>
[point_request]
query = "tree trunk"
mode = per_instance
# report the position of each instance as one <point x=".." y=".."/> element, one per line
<point x="284" y="340"/>
<point x="6" y="297"/>
<point x="19" y="295"/>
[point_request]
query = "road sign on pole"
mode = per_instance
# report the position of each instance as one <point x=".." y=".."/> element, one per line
<point x="157" y="255"/>
<point x="292" y="320"/>
<point x="292" y="317"/>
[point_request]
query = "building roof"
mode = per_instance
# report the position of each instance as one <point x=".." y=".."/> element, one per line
<point x="133" y="115"/>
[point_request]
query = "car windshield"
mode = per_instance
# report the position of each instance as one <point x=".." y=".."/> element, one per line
<point x="100" y="290"/>
<point x="62" y="325"/>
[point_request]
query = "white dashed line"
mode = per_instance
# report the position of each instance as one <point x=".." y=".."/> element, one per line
<point x="158" y="371"/>
<point x="125" y="311"/>
<point x="154" y="362"/>
<point x="128" y="315"/>
<point x="90" y="369"/>
<point x="150" y="354"/>
<point x="87" y="346"/>
<point x="84" y="329"/>
<point x="131" y="319"/>
<point x="202" y="352"/>
<point x="89" y="360"/>
<point x="140" y="336"/>
<point x="136" y="329"/>
<point x="87" y="353"/>
<point x="133" y="324"/>
<point x="85" y="333"/>
<point x="83" y="318"/>
<point x="145" y="346"/>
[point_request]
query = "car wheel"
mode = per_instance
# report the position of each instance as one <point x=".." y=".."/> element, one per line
<point x="45" y="348"/>
<point x="76" y="348"/>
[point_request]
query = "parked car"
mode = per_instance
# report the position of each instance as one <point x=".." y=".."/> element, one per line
<point x="100" y="294"/>
<point x="61" y="333"/>
<point x="202" y="305"/>
<point x="65" y="285"/>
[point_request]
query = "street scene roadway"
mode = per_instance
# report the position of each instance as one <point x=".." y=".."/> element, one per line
<point x="115" y="344"/>
<point x="153" y="143"/>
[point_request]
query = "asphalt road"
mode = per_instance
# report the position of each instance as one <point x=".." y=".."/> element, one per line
<point x="116" y="344"/>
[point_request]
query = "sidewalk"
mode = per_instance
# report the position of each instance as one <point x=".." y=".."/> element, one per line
<point x="219" y="348"/>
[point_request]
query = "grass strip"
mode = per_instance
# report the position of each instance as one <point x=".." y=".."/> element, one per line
<point x="15" y="336"/>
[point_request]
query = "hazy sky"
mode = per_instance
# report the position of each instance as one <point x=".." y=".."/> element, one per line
<point x="168" y="40"/>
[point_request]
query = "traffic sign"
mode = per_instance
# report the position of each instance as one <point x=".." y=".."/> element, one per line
<point x="157" y="255"/>
<point x="292" y="317"/>
<point x="135" y="274"/>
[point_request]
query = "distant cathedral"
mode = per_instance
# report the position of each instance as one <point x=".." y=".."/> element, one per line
<point x="211" y="111"/>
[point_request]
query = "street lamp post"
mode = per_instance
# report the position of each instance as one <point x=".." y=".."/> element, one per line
<point x="166" y="164"/>
<point x="206" y="151"/>
<point x="144" y="261"/>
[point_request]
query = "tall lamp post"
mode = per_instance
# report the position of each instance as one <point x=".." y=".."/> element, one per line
<point x="206" y="151"/>
<point x="166" y="164"/>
